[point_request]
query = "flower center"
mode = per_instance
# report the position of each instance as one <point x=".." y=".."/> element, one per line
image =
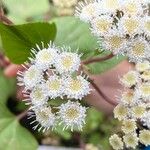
<point x="31" y="74"/>
<point x="111" y="4"/>
<point x="115" y="41"/>
<point x="38" y="94"/>
<point x="72" y="113"/>
<point x="45" y="57"/>
<point x="145" y="89"/>
<point x="138" y="49"/>
<point x="103" y="25"/>
<point x="53" y="85"/>
<point x="75" y="85"/>
<point x="131" y="8"/>
<point x="131" y="25"/>
<point x="67" y="62"/>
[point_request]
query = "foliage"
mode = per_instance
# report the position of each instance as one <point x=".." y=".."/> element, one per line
<point x="12" y="135"/>
<point x="17" y="41"/>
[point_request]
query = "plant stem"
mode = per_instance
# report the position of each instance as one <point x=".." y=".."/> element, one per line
<point x="22" y="115"/>
<point x="3" y="18"/>
<point x="97" y="59"/>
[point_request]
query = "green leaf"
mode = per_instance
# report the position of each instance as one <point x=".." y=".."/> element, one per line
<point x="56" y="102"/>
<point x="12" y="135"/>
<point x="26" y="8"/>
<point x="76" y="34"/>
<point x="7" y="87"/>
<point x="17" y="40"/>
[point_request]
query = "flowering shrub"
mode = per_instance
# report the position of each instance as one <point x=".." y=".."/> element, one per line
<point x="56" y="79"/>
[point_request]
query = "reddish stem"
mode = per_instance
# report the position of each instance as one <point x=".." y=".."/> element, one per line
<point x="97" y="59"/>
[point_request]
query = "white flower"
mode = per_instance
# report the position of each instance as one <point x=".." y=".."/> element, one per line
<point x="132" y="7"/>
<point x="145" y="75"/>
<point x="142" y="66"/>
<point x="144" y="137"/>
<point x="38" y="96"/>
<point x="144" y="90"/>
<point x="67" y="62"/>
<point x="45" y="58"/>
<point x="87" y="11"/>
<point x="131" y="140"/>
<point x="138" y="50"/>
<point x="129" y="126"/>
<point x="45" y="118"/>
<point x="129" y="97"/>
<point x="120" y="112"/>
<point x="54" y="86"/>
<point x="146" y="119"/>
<point x="130" y="79"/>
<point x="138" y="111"/>
<point x="101" y="25"/>
<point x="72" y="115"/>
<point x="30" y="77"/>
<point x="130" y="25"/>
<point x="146" y="25"/>
<point x="116" y="142"/>
<point x="111" y="6"/>
<point x="114" y="41"/>
<point x="76" y="88"/>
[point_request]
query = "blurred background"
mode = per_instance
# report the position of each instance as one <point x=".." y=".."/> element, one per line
<point x="17" y="134"/>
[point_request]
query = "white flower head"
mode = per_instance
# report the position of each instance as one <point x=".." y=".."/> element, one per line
<point x="45" y="118"/>
<point x="144" y="137"/>
<point x="130" y="25"/>
<point x="120" y="112"/>
<point x="38" y="96"/>
<point x="145" y="75"/>
<point x="138" y="49"/>
<point x="129" y="126"/>
<point x="131" y="140"/>
<point x="142" y="66"/>
<point x="138" y="111"/>
<point x="111" y="6"/>
<point x="67" y="62"/>
<point x="146" y="119"/>
<point x="72" y="115"/>
<point x="129" y="97"/>
<point x="130" y="79"/>
<point x="146" y="25"/>
<point x="77" y="88"/>
<point x="132" y="7"/>
<point x="101" y="25"/>
<point x="114" y="41"/>
<point x="116" y="142"/>
<point x="54" y="86"/>
<point x="46" y="57"/>
<point x="86" y="11"/>
<point x="144" y="90"/>
<point x="30" y="77"/>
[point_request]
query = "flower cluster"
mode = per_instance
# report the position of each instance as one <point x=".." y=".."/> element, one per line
<point x="122" y="26"/>
<point x="133" y="109"/>
<point x="52" y="74"/>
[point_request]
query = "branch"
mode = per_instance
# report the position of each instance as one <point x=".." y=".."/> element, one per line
<point x="3" y="18"/>
<point x="22" y="115"/>
<point x="97" y="59"/>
